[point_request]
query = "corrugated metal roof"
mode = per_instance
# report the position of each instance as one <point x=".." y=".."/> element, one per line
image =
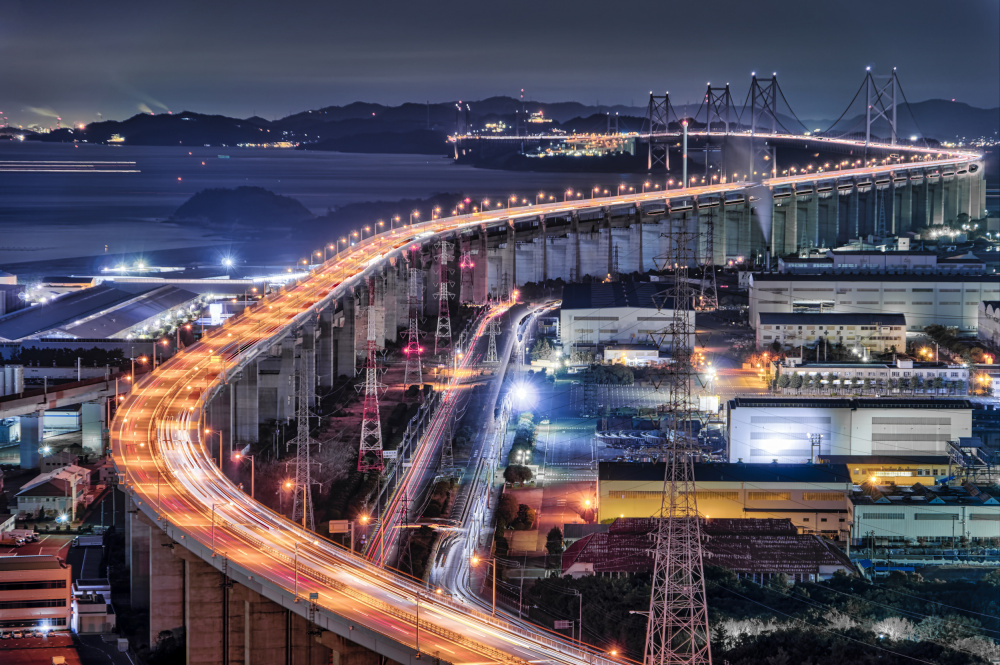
<point x="742" y="545"/>
<point x="615" y="294"/>
<point x="860" y="403"/>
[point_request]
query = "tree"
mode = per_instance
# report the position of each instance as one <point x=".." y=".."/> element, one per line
<point x="525" y="518"/>
<point x="783" y="381"/>
<point x="542" y="350"/>
<point x="895" y="628"/>
<point x="506" y="511"/>
<point x="796" y="381"/>
<point x="517" y="473"/>
<point x="554" y="541"/>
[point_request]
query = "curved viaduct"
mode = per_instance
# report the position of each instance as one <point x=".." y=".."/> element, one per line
<point x="246" y="585"/>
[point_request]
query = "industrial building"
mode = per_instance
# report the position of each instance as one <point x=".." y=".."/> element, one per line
<point x="615" y="313"/>
<point x="877" y="261"/>
<point x="902" y="377"/>
<point x="34" y="593"/>
<point x="102" y="312"/>
<point x="926" y="298"/>
<point x="870" y="332"/>
<point x="922" y="469"/>
<point x="789" y="430"/>
<point x="753" y="548"/>
<point x="988" y="330"/>
<point x="925" y="514"/>
<point x="815" y="497"/>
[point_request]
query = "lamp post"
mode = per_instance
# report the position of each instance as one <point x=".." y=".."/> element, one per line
<point x="240" y="456"/>
<point x="475" y="561"/>
<point x="209" y="432"/>
<point x="414" y="213"/>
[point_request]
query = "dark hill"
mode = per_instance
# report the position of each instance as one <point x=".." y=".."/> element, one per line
<point x="249" y="206"/>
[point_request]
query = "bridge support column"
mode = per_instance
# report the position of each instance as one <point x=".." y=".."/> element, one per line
<point x="246" y="396"/>
<point x="828" y="211"/>
<point x="31" y="439"/>
<point x="952" y="198"/>
<point x="92" y="423"/>
<point x="545" y="249"/>
<point x="165" y="578"/>
<point x="345" y="355"/>
<point x="785" y="223"/>
<point x="324" y="350"/>
<point x="137" y="554"/>
<point x="904" y="210"/>
<point x="220" y="417"/>
<point x="853" y="205"/>
<point x="390" y="305"/>
<point x="935" y="200"/>
<point x="811" y="226"/>
<point x="575" y="226"/>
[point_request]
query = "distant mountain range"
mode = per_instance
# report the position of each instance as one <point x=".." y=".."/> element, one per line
<point x="422" y="128"/>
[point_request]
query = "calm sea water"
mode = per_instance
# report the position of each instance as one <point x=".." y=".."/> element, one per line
<point x="48" y="218"/>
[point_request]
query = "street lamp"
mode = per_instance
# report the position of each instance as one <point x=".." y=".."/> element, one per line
<point x="414" y="213"/>
<point x="474" y="561"/>
<point x="238" y="457"/>
<point x="209" y="432"/>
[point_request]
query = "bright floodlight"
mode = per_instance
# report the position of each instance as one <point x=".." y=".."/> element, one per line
<point x="227" y="262"/>
<point x="523" y="394"/>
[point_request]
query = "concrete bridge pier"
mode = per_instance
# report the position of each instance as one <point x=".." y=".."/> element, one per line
<point x="246" y="398"/>
<point x="93" y="422"/>
<point x="31" y="440"/>
<point x="344" y="349"/>
<point x="390" y="304"/>
<point x="935" y="200"/>
<point x="785" y="226"/>
<point x="324" y="350"/>
<point x="220" y="418"/>
<point x="810" y="227"/>
<point x="903" y="213"/>
<point x="828" y="218"/>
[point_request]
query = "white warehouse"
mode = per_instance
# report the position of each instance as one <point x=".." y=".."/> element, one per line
<point x="765" y="429"/>
<point x="950" y="300"/>
<point x="616" y="313"/>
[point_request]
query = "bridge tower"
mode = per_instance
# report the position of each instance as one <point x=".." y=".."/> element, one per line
<point x="763" y="102"/>
<point x="442" y="335"/>
<point x="412" y="350"/>
<point x="677" y="627"/>
<point x="370" y="451"/>
<point x="718" y="102"/>
<point x="657" y="122"/>
<point x="880" y="103"/>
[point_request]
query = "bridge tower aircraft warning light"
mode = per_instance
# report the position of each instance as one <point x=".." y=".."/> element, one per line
<point x="677" y="630"/>
<point x="442" y="334"/>
<point x="413" y="374"/>
<point x="370" y="451"/>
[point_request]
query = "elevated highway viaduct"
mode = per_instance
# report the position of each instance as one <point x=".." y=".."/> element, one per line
<point x="243" y="584"/>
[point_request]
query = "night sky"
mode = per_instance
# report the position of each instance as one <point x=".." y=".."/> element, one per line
<point x="117" y="57"/>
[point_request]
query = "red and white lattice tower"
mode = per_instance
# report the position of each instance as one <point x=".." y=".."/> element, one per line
<point x="413" y="350"/>
<point x="466" y="264"/>
<point x="370" y="452"/>
<point x="442" y="335"/>
<point x="677" y="628"/>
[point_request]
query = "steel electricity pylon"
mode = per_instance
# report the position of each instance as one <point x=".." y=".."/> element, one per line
<point x="412" y="350"/>
<point x="370" y="451"/>
<point x="677" y="628"/>
<point x="442" y="334"/>
<point x="302" y="506"/>
<point x="492" y="329"/>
